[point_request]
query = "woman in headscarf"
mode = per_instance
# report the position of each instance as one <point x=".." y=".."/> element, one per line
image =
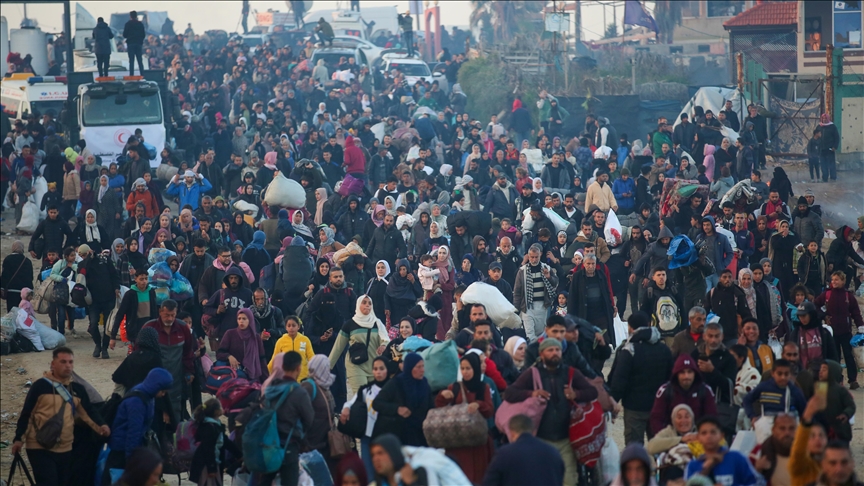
<point x="516" y="347"/>
<point x="437" y="238"/>
<point x="327" y="240"/>
<point x="537" y="187"/>
<point x="376" y="287"/>
<point x="87" y="198"/>
<point x="132" y="261"/>
<point x="405" y="328"/>
<point x="439" y="215"/>
<point x="186" y="224"/>
<point x="109" y="208"/>
<point x="241" y="229"/>
<point x="468" y="273"/>
<point x="390" y="205"/>
<point x="677" y="444"/>
<point x="17" y="273"/>
<point x="298" y="222"/>
<point x="363" y="330"/>
<point x="256" y="256"/>
<point x="419" y="240"/>
<point x="161" y="240"/>
<point x="472" y="460"/>
<point x="404" y="402"/>
<point x="93" y="234"/>
<point x="376" y="219"/>
<point x="137" y="365"/>
<point x="368" y="393"/>
<point x="242" y="347"/>
<point x="351" y="470"/>
<point x="745" y="282"/>
<point x="318" y="208"/>
<point x="781" y="183"/>
<point x="403" y="290"/>
<point x="145" y="236"/>
<point x="320" y="277"/>
<point x="317" y="385"/>
<point x="447" y="282"/>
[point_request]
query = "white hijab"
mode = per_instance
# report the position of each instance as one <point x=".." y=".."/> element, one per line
<point x="366" y="321"/>
<point x="92" y="230"/>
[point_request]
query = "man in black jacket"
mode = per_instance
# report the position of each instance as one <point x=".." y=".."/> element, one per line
<point x="352" y="221"/>
<point x="716" y="363"/>
<point x="54" y="232"/>
<point x="641" y="366"/>
<point x="387" y="243"/>
<point x="727" y="301"/>
<point x="134" y="34"/>
<point x="193" y="268"/>
<point x="104" y="286"/>
<point x="556" y="327"/>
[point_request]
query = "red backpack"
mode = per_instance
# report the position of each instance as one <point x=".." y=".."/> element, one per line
<point x="587" y="430"/>
<point x="233" y="394"/>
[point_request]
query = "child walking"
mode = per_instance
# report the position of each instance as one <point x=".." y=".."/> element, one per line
<point x="207" y="464"/>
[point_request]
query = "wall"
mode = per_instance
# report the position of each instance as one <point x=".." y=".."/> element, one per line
<point x="813" y="62"/>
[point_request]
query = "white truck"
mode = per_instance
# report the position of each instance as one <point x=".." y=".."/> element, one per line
<point x="24" y="93"/>
<point x="108" y="110"/>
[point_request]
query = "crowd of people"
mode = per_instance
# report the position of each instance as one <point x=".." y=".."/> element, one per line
<point x="735" y="329"/>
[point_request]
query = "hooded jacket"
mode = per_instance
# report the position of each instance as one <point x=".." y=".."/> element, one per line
<point x="621" y="187"/>
<point x="654" y="256"/>
<point x="354" y="161"/>
<point x="501" y="201"/>
<point x="234" y="300"/>
<point x="728" y="303"/>
<point x="806" y="333"/>
<point x="600" y="195"/>
<point x="698" y="397"/>
<point x="635" y="452"/>
<point x="722" y="255"/>
<point x="640" y="368"/>
<point x="387" y="244"/>
<point x="840" y="401"/>
<point x="135" y="413"/>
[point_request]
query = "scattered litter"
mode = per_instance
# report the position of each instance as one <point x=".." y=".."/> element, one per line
<point x="28" y="384"/>
<point x="21" y="371"/>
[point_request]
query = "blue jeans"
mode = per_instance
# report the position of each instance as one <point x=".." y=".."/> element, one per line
<point x="364" y="451"/>
<point x="711" y="281"/>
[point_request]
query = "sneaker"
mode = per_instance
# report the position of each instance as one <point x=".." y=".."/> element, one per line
<point x="104" y="354"/>
<point x="97" y="351"/>
<point x="854" y="385"/>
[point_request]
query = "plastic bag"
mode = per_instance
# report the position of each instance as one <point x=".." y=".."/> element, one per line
<point x="50" y="338"/>
<point x="559" y="222"/>
<point x="40" y="188"/>
<point x="7" y="325"/>
<point x="162" y="294"/>
<point x="180" y="288"/>
<point x="621" y="331"/>
<point x="314" y="464"/>
<point x="29" y="217"/>
<point x="612" y="230"/>
<point x="440" y="469"/>
<point x="745" y="441"/>
<point x="775" y="345"/>
<point x="762" y="428"/>
<point x="858" y="352"/>
<point x="610" y="459"/>
<point x="160" y="274"/>
<point x="159" y="255"/>
<point x="499" y="309"/>
<point x="246" y="207"/>
<point x="26" y="326"/>
<point x="443" y="362"/>
<point x="285" y="193"/>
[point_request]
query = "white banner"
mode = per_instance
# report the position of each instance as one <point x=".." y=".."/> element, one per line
<point x="108" y="142"/>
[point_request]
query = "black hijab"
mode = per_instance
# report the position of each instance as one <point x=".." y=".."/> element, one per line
<point x="475" y="384"/>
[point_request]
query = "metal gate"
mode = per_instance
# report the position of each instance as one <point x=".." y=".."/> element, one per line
<point x="796" y="104"/>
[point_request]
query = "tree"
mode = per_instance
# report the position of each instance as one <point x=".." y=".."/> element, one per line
<point x="667" y="14"/>
<point x="500" y="21"/>
<point x="611" y="31"/>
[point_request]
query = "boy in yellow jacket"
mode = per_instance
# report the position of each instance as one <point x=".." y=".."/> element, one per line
<point x="294" y="341"/>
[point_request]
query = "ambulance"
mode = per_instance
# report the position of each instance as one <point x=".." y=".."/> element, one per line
<point x="24" y="93"/>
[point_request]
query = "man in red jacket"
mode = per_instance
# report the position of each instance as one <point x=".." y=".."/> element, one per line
<point x="686" y="386"/>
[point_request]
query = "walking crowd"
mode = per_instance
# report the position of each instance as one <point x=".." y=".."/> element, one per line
<point x="375" y="287"/>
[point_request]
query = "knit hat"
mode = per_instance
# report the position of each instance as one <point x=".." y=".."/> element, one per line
<point x="625" y="171"/>
<point x="802" y="201"/>
<point x="549" y="343"/>
<point x="809" y="192"/>
<point x="84" y="249"/>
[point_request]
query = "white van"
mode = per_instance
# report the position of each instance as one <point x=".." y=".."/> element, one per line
<point x="24" y="93"/>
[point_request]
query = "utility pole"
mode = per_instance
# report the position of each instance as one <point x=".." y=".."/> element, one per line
<point x="578" y="17"/>
<point x="67" y="26"/>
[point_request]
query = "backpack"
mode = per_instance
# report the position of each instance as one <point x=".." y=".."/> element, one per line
<point x="184" y="445"/>
<point x="267" y="276"/>
<point x="263" y="451"/>
<point x="220" y="373"/>
<point x="109" y="410"/>
<point x="666" y="315"/>
<point x="232" y="394"/>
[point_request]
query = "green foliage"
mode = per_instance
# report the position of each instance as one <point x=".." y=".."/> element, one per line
<point x="649" y="68"/>
<point x="484" y="83"/>
<point x="611" y="31"/>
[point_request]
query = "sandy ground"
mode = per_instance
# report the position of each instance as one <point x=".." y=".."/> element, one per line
<point x="842" y="201"/>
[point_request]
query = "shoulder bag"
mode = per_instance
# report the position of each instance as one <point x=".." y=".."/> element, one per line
<point x="18" y="462"/>
<point x="340" y="444"/>
<point x="355" y="426"/>
<point x="455" y="426"/>
<point x="357" y="352"/>
<point x="48" y="435"/>
<point x="727" y="413"/>
<point x="533" y="407"/>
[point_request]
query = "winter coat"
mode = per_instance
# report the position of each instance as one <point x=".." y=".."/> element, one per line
<point x="621" y="187"/>
<point x="641" y="366"/>
<point x="840" y="401"/>
<point x="728" y="303"/>
<point x="102" y="279"/>
<point x="507" y="467"/>
<point x="699" y="396"/>
<point x="722" y="378"/>
<point x="54" y="232"/>
<point x="600" y="196"/>
<point x="189" y="195"/>
<point x="521" y="287"/>
<point x="135" y="414"/>
<point x="841" y="310"/>
<point x="501" y="202"/>
<point x="102" y="36"/>
<point x="571" y="355"/>
<point x="808" y="226"/>
<point x="386" y="244"/>
<point x="577" y="304"/>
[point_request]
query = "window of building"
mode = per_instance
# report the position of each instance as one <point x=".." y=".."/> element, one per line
<point x="725" y="8"/>
<point x="676" y="49"/>
<point x="690" y="9"/>
<point x="847" y="24"/>
<point x="703" y="48"/>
